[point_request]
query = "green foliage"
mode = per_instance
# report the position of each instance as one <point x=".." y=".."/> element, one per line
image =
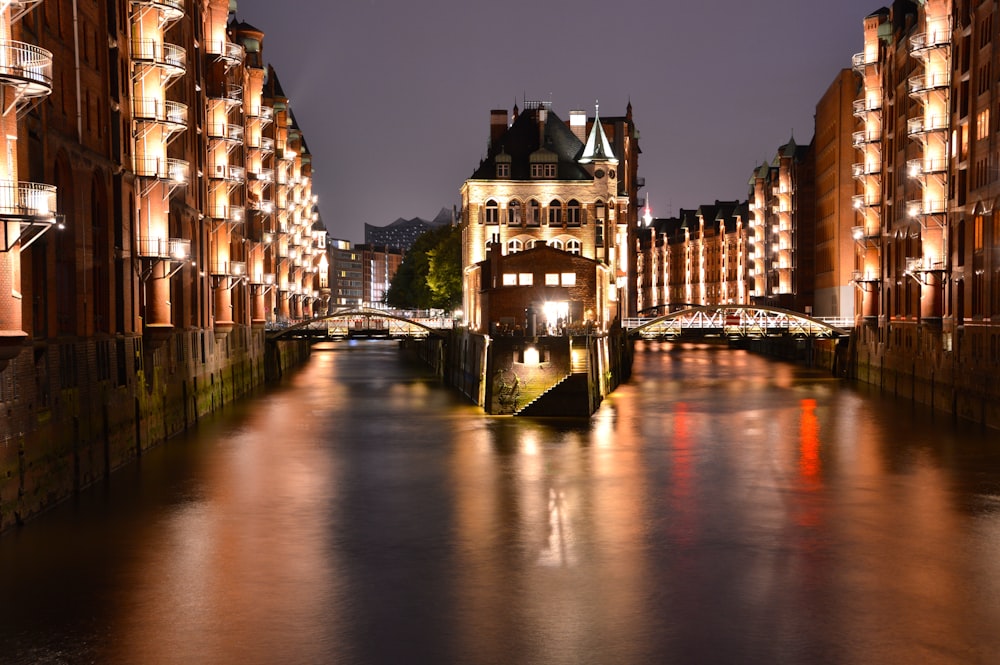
<point x="431" y="273"/>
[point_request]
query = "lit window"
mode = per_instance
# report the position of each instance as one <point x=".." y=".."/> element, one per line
<point x="574" y="247"/>
<point x="514" y="246"/>
<point x="525" y="279"/>
<point x="509" y="279"/>
<point x="568" y="278"/>
<point x="551" y="279"/>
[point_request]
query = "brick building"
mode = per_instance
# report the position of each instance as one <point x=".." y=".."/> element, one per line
<point x="171" y="154"/>
<point x="546" y="182"/>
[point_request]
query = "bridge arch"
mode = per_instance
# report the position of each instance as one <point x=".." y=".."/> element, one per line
<point x="354" y="312"/>
<point x="733" y="321"/>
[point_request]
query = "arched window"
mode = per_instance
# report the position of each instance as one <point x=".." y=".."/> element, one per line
<point x="514" y="213"/>
<point x="555" y="212"/>
<point x="514" y="246"/>
<point x="574" y="247"/>
<point x="556" y="244"/>
<point x="492" y="212"/>
<point x="573" y="217"/>
<point x="599" y="210"/>
<point x="534" y="213"/>
<point x="535" y="243"/>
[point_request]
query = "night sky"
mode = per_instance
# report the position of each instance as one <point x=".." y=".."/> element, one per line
<point x="393" y="96"/>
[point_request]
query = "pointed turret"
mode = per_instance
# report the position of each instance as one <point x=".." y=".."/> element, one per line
<point x="598" y="148"/>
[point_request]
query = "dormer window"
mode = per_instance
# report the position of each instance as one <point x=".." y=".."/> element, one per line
<point x="503" y="165"/>
<point x="544" y="164"/>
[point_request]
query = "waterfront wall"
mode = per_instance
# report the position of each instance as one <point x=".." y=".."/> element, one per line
<point x="75" y="411"/>
<point x="945" y="371"/>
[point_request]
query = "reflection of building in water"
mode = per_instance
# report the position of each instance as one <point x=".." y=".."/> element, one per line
<point x="559" y="549"/>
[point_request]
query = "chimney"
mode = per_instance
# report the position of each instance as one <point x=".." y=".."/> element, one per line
<point x="498" y="125"/>
<point x="578" y="124"/>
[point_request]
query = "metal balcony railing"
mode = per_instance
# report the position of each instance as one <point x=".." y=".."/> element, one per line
<point x="174" y="249"/>
<point x="229" y="213"/>
<point x="27" y="201"/>
<point x="167" y="169"/>
<point x="170" y="57"/>
<point x="862" y="169"/>
<point x="867" y="105"/>
<point x="224" y="131"/>
<point x="926" y="165"/>
<point x="922" y="83"/>
<point x="925" y="124"/>
<point x="26" y="67"/>
<point x="151" y="109"/>
<point x="170" y="10"/>
<point x="866" y="136"/>
<point x="230" y="93"/>
<point x="227" y="51"/>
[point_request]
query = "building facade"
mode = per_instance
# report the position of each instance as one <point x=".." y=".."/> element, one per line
<point x="184" y="186"/>
<point x="546" y="182"/>
<point x="781" y="234"/>
<point x="700" y="257"/>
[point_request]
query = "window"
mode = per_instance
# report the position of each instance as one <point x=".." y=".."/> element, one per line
<point x="514" y="213"/>
<point x="525" y="278"/>
<point x="568" y="279"/>
<point x="550" y="170"/>
<point x="983" y="124"/>
<point x="514" y="246"/>
<point x="556" y="244"/>
<point x="551" y="279"/>
<point x="510" y="279"/>
<point x="503" y="169"/>
<point x="555" y="212"/>
<point x="573" y="213"/>
<point x="574" y="247"/>
<point x="535" y="243"/>
<point x="534" y="213"/>
<point x="492" y="212"/>
<point x="536" y="170"/>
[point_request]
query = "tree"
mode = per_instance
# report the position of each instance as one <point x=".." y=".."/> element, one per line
<point x="430" y="275"/>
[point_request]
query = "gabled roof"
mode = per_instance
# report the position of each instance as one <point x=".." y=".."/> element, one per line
<point x="525" y="137"/>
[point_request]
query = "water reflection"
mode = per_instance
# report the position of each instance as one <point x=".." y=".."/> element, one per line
<point x="718" y="508"/>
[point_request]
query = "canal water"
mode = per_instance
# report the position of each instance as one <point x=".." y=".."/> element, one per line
<point x="719" y="508"/>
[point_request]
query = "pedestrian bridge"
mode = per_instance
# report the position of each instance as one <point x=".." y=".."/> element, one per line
<point x="734" y="321"/>
<point x="363" y="322"/>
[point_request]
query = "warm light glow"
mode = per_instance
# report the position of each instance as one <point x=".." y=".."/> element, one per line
<point x="531" y="356"/>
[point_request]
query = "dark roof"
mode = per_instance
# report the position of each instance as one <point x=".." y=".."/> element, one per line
<point x="523" y="138"/>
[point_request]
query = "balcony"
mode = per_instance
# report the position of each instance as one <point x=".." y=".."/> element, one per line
<point x="18" y="8"/>
<point x="227" y="213"/>
<point x="923" y="83"/>
<point x="26" y="68"/>
<point x="924" y="124"/>
<point x="174" y="249"/>
<point x="227" y="52"/>
<point x="267" y="144"/>
<point x="170" y="58"/>
<point x="166" y="169"/>
<point x="864" y="201"/>
<point x="919" y="207"/>
<point x="860" y="60"/>
<point x="263" y="175"/>
<point x="227" y="173"/>
<point x="922" y="42"/>
<point x="921" y="166"/>
<point x="866" y="136"/>
<point x="169" y="10"/>
<point x="230" y="93"/>
<point x="27" y="201"/>
<point x="866" y="105"/>
<point x="266" y="115"/>
<point x="223" y="131"/>
<point x="863" y="169"/>
<point x="173" y="116"/>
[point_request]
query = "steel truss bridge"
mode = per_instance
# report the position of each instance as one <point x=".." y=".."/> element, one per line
<point x="363" y="322"/>
<point x="734" y="321"/>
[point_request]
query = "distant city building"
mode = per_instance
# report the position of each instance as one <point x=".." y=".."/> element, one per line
<point x="782" y="229"/>
<point x="699" y="257"/>
<point x="347" y="275"/>
<point x="548" y="183"/>
<point x="402" y="233"/>
<point x="380" y="265"/>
